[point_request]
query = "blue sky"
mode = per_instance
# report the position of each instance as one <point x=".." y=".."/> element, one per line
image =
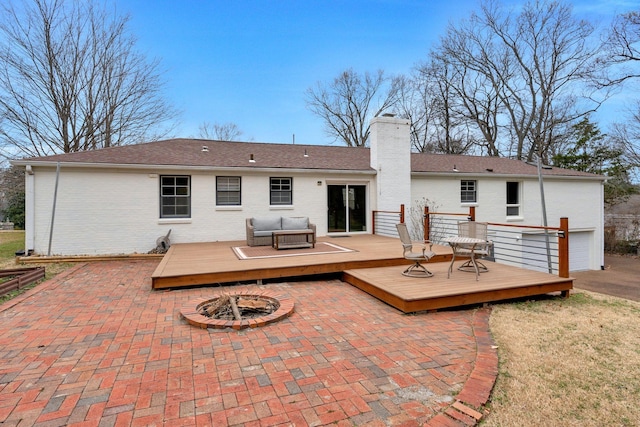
<point x="250" y="62"/>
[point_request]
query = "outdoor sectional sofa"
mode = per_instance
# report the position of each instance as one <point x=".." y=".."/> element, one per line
<point x="260" y="229"/>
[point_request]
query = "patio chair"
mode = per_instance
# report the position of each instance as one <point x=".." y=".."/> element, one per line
<point x="474" y="230"/>
<point x="417" y="269"/>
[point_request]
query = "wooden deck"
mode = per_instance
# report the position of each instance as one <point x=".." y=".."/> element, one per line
<point x="409" y="294"/>
<point x="375" y="266"/>
<point x="215" y="262"/>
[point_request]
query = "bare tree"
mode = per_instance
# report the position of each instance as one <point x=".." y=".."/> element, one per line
<point x="453" y="133"/>
<point x="623" y="48"/>
<point x="349" y="102"/>
<point x="627" y="134"/>
<point x="528" y="73"/>
<point x="221" y="132"/>
<point x="71" y="80"/>
<point x="416" y="104"/>
<point x="426" y="99"/>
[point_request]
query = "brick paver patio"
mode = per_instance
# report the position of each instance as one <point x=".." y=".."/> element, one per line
<point x="95" y="346"/>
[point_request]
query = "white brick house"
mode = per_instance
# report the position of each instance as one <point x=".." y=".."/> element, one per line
<point x="121" y="199"/>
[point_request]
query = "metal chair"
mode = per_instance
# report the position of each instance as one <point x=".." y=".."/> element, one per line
<point x="417" y="269"/>
<point x="474" y="230"/>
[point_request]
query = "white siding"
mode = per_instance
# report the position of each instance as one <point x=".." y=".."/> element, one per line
<point x="111" y="212"/>
<point x="578" y="200"/>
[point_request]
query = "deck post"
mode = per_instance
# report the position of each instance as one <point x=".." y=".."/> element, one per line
<point x="426" y="223"/>
<point x="472" y="213"/>
<point x="373" y="222"/>
<point x="563" y="248"/>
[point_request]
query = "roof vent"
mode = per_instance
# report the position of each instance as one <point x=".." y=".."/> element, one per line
<point x="205" y="148"/>
<point x="251" y="159"/>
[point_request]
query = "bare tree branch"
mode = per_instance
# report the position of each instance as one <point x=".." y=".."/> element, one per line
<point x="349" y="102"/>
<point x="71" y="80"/>
<point x="221" y="132"/>
<point x="526" y="74"/>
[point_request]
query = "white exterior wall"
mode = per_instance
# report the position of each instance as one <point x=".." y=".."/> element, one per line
<point x="578" y="200"/>
<point x="109" y="211"/>
<point x="117" y="211"/>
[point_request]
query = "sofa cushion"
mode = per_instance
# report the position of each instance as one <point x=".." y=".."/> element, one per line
<point x="266" y="223"/>
<point x="301" y="223"/>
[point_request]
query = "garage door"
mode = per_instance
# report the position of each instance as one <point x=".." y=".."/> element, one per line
<point x="579" y="245"/>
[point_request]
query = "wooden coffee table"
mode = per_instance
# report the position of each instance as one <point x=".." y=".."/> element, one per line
<point x="279" y="239"/>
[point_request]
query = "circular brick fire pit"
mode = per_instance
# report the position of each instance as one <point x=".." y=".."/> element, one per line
<point x="254" y="309"/>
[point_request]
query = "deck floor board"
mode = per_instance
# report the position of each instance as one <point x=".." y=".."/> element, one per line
<point x="375" y="266"/>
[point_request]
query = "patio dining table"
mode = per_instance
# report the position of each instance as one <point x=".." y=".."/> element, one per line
<point x="470" y="244"/>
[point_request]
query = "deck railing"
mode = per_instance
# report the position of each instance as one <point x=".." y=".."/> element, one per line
<point x="528" y="246"/>
<point x="384" y="222"/>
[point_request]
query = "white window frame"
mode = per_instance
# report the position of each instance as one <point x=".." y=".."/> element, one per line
<point x="226" y="188"/>
<point x="280" y="186"/>
<point x="172" y="193"/>
<point x="465" y="191"/>
<point x="514" y="209"/>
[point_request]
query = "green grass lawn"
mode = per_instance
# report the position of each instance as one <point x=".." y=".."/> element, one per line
<point x="12" y="242"/>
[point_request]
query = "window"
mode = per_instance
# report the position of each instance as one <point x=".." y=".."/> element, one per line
<point x="281" y="191"/>
<point x="467" y="191"/>
<point x="513" y="199"/>
<point x="175" y="197"/>
<point x="228" y="191"/>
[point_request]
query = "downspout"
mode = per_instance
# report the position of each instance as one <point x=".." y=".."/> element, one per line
<point x="29" y="208"/>
<point x="53" y="210"/>
<point x="544" y="217"/>
<point x="601" y="234"/>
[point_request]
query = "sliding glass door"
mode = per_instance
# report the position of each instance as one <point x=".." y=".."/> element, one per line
<point x="347" y="208"/>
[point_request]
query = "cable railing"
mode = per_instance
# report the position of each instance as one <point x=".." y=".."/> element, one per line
<point x="384" y="222"/>
<point x="531" y="247"/>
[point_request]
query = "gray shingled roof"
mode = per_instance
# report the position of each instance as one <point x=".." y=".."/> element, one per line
<point x="223" y="154"/>
<point x="189" y="152"/>
<point x="447" y="163"/>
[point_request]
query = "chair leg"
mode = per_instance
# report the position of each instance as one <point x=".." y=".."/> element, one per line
<point x="478" y="267"/>
<point x="453" y="259"/>
<point x="417" y="270"/>
<point x="467" y="264"/>
<point x="473" y="265"/>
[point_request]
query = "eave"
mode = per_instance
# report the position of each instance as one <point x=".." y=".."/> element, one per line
<point x="490" y="175"/>
<point x="145" y="167"/>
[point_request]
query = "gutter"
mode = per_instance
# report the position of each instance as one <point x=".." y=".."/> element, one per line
<point x="126" y="166"/>
<point x="505" y="175"/>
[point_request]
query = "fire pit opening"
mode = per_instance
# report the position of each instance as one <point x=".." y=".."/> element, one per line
<point x="238" y="307"/>
<point x="238" y="310"/>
